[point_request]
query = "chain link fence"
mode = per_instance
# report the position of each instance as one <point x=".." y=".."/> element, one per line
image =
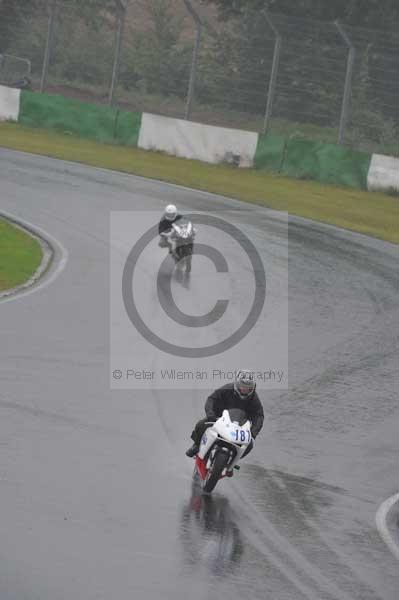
<point x="13" y="69"/>
<point x="262" y="72"/>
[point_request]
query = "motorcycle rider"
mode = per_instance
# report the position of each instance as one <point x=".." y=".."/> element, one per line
<point x="240" y="394"/>
<point x="170" y="217"/>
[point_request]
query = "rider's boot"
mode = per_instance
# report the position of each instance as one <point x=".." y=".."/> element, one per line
<point x="192" y="451"/>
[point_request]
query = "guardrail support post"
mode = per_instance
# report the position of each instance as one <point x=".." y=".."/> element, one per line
<point x="49" y="43"/>
<point x="121" y="10"/>
<point x="194" y="61"/>
<point x="273" y="75"/>
<point x="348" y="82"/>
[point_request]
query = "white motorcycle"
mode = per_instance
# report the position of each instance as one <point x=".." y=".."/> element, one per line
<point x="179" y="239"/>
<point x="222" y="447"/>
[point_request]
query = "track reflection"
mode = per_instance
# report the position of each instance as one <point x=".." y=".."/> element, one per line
<point x="209" y="534"/>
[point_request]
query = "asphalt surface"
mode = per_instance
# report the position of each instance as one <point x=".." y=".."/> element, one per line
<point x="96" y="497"/>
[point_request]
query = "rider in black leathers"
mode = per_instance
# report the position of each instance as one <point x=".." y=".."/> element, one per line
<point x="240" y="394"/>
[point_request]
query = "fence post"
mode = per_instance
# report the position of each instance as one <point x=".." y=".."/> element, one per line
<point x="273" y="75"/>
<point x="348" y="82"/>
<point x="121" y="10"/>
<point x="49" y="43"/>
<point x="194" y="61"/>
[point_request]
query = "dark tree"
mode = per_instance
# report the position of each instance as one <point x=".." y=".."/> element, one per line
<point x="377" y="14"/>
<point x="11" y="14"/>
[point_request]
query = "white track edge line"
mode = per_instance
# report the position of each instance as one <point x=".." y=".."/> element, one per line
<point x="51" y="248"/>
<point x="381" y="522"/>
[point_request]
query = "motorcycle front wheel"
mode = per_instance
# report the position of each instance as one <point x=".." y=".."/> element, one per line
<point x="220" y="463"/>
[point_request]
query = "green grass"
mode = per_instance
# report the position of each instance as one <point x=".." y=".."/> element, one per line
<point x="369" y="213"/>
<point x="20" y="256"/>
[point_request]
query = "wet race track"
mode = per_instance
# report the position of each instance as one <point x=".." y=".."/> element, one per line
<point x="96" y="494"/>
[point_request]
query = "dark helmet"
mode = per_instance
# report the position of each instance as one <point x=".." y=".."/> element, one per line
<point x="244" y="384"/>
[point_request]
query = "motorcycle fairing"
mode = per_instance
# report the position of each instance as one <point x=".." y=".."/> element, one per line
<point x="221" y="433"/>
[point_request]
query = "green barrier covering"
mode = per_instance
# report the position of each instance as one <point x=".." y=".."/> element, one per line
<point x="269" y="152"/>
<point x="328" y="163"/>
<point x="294" y="157"/>
<point x="92" y="121"/>
<point x="127" y="128"/>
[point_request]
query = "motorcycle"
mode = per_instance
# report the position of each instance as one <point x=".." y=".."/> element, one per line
<point x="180" y="239"/>
<point x="221" y="448"/>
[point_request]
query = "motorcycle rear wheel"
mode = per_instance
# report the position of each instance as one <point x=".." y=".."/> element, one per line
<point x="220" y="463"/>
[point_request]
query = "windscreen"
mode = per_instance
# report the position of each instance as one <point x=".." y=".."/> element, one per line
<point x="238" y="416"/>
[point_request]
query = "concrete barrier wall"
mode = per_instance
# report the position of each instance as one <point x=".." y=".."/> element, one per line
<point x="9" y="103"/>
<point x="298" y="158"/>
<point x="197" y="141"/>
<point x="383" y="174"/>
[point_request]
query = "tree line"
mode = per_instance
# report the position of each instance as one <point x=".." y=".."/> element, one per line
<point x="234" y="65"/>
<point x="376" y="14"/>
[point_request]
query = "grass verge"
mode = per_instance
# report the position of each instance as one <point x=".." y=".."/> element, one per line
<point x="20" y="256"/>
<point x="373" y="214"/>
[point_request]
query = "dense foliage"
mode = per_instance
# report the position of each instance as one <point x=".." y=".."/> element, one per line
<point x="234" y="62"/>
<point x="365" y="13"/>
<point x="313" y="60"/>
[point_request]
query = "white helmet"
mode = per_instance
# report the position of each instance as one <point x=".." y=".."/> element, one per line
<point x="170" y="212"/>
<point x="244" y="384"/>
